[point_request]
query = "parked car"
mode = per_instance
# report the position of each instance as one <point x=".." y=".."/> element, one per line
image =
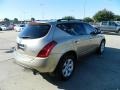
<point x="109" y="26"/>
<point x="19" y="28"/>
<point x="10" y="27"/>
<point x="55" y="46"/>
<point x="3" y="27"/>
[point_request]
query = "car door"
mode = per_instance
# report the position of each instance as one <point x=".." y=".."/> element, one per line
<point x="104" y="26"/>
<point x="81" y="40"/>
<point x="112" y="26"/>
<point x="93" y="38"/>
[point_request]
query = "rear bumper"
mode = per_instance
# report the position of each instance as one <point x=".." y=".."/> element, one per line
<point x="40" y="64"/>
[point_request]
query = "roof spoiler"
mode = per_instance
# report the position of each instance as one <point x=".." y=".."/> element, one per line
<point x="67" y="20"/>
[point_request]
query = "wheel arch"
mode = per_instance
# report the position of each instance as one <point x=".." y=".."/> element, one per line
<point x="70" y="53"/>
<point x="67" y="53"/>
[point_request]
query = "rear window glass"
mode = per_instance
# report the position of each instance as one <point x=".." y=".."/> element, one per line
<point x="67" y="27"/>
<point x="34" y="31"/>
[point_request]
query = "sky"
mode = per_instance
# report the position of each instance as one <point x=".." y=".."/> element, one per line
<point x="55" y="9"/>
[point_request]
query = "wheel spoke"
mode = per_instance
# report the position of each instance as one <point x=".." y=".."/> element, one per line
<point x="69" y="61"/>
<point x="65" y="64"/>
<point x="102" y="46"/>
<point x="68" y="72"/>
<point x="70" y="68"/>
<point x="64" y="72"/>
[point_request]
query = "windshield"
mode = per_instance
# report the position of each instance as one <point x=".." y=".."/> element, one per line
<point x="34" y="31"/>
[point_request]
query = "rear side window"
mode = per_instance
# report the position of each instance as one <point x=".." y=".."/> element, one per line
<point x="67" y="27"/>
<point x="72" y="28"/>
<point x="34" y="31"/>
<point x="79" y="28"/>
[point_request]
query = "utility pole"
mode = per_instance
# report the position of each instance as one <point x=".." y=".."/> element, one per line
<point x="42" y="10"/>
<point x="24" y="16"/>
<point x="84" y="8"/>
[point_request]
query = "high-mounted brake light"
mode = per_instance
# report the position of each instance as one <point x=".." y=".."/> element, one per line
<point x="45" y="52"/>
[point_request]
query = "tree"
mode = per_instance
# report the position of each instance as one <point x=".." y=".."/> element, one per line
<point x="88" y="19"/>
<point x="68" y="17"/>
<point x="103" y="15"/>
<point x="15" y="21"/>
<point x="6" y="21"/>
<point x="32" y="19"/>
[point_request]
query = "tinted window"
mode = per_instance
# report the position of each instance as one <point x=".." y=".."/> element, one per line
<point x="79" y="28"/>
<point x="112" y="24"/>
<point x="104" y="23"/>
<point x="88" y="28"/>
<point x="72" y="28"/>
<point x="67" y="27"/>
<point x="34" y="31"/>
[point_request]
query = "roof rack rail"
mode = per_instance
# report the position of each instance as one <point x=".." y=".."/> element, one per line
<point x="63" y="20"/>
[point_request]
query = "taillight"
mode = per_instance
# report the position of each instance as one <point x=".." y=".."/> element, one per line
<point x="45" y="52"/>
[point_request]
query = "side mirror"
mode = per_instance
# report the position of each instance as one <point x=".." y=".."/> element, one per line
<point x="97" y="30"/>
<point x="93" y="33"/>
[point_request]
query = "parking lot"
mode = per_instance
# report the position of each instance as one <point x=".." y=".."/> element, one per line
<point x="92" y="73"/>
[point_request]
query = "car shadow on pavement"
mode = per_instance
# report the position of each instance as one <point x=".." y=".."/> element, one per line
<point x="94" y="72"/>
<point x="11" y="50"/>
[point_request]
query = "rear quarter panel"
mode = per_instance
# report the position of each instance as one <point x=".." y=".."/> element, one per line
<point x="64" y="42"/>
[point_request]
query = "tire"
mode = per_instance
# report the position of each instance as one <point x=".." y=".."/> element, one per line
<point x="101" y="47"/>
<point x="65" y="67"/>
